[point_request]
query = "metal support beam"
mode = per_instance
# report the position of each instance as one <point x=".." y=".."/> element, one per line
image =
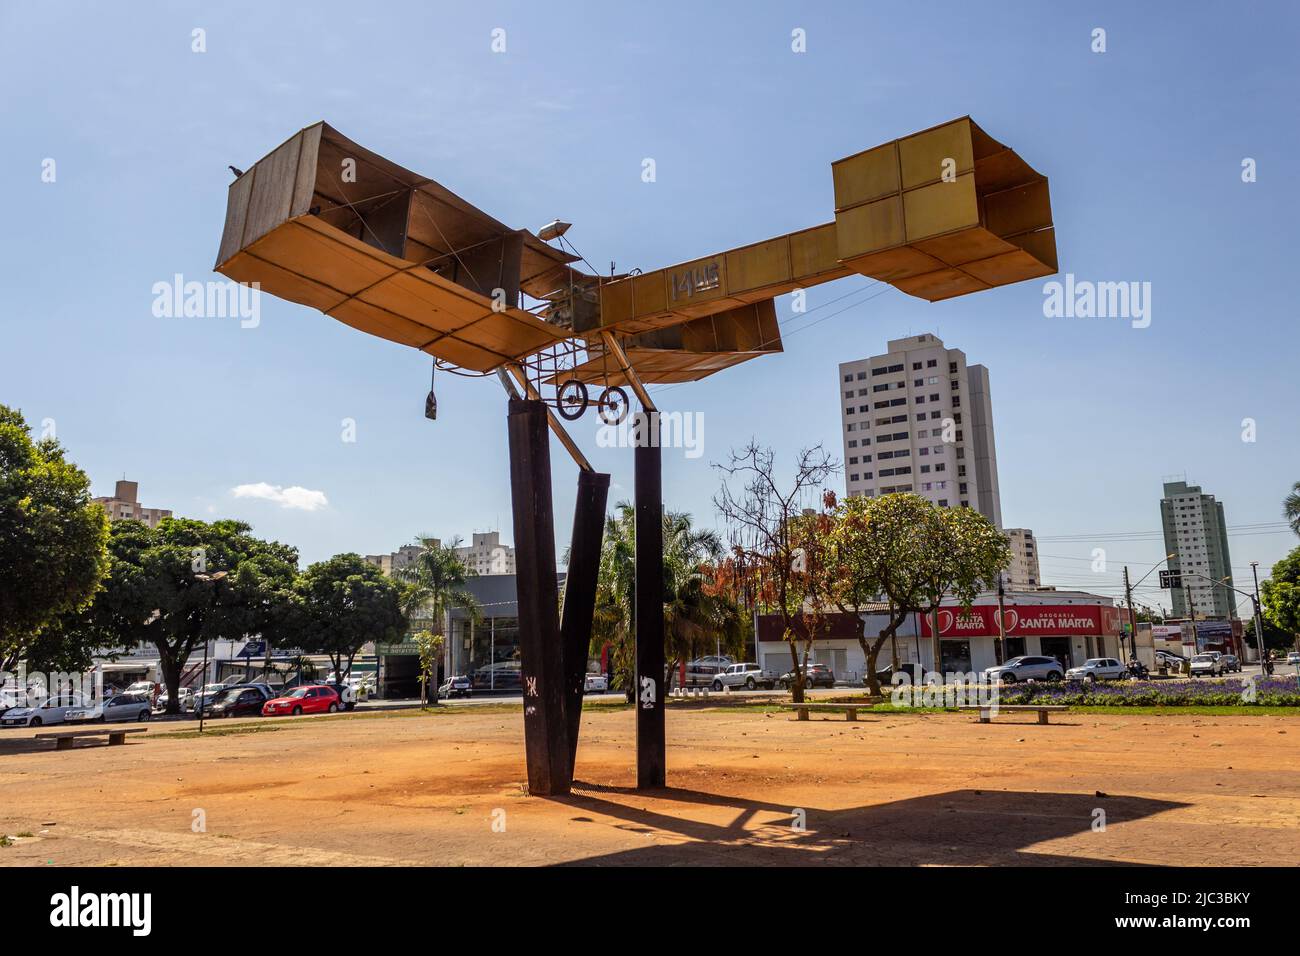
<point x="580" y="595"/>
<point x="626" y="368"/>
<point x="546" y="731"/>
<point x="649" y="601"/>
<point x="551" y="419"/>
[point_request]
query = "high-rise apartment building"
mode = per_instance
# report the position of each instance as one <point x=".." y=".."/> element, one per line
<point x="1022" y="573"/>
<point x="919" y="419"/>
<point x="1196" y="534"/>
<point x="124" y="504"/>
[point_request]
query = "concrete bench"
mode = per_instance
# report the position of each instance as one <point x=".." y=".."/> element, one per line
<point x="65" y="738"/>
<point x="986" y="711"/>
<point x="850" y="710"/>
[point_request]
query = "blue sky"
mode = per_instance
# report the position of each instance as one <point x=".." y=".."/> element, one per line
<point x="1143" y="145"/>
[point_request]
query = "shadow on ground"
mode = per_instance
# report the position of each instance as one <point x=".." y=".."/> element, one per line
<point x="956" y="828"/>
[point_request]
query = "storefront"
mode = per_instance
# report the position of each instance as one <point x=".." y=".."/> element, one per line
<point x="1071" y="633"/>
<point x="1071" y="626"/>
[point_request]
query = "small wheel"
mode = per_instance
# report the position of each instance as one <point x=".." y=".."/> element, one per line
<point x="1054" y="676"/>
<point x="612" y="406"/>
<point x="297" y="712"/>
<point x="571" y="399"/>
<point x="36" y="722"/>
<point x="144" y="715"/>
<point x="334" y="708"/>
<point x="1091" y="678"/>
<point x="717" y="685"/>
<point x="749" y="684"/>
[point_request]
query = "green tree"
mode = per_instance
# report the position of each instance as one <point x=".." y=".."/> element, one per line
<point x="435" y="582"/>
<point x="1291" y="507"/>
<point x="879" y="551"/>
<point x="430" y="648"/>
<point x="962" y="552"/>
<point x="344" y="603"/>
<point x="187" y="582"/>
<point x="696" y="615"/>
<point x="52" y="538"/>
<point x="1280" y="595"/>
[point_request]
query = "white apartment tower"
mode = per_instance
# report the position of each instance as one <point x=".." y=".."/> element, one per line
<point x="919" y="419"/>
<point x="1022" y="574"/>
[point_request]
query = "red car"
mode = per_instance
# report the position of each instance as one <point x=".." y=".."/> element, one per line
<point x="314" y="699"/>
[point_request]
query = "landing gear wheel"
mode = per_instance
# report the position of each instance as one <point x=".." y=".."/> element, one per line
<point x="612" y="406"/>
<point x="571" y="399"/>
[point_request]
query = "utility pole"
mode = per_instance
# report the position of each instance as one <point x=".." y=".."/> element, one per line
<point x="1191" y="616"/>
<point x="1132" y="618"/>
<point x="1259" y="627"/>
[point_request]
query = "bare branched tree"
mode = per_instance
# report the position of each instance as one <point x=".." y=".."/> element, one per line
<point x="774" y="532"/>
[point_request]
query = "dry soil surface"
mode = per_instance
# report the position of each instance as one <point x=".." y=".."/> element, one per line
<point x="744" y="788"/>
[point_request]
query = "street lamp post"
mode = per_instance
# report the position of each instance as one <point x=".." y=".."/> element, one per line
<point x="1128" y="599"/>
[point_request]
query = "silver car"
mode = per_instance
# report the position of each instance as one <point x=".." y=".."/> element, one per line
<point x="116" y="708"/>
<point x="749" y="676"/>
<point x="52" y="710"/>
<point x="1097" y="668"/>
<point x="1026" y="667"/>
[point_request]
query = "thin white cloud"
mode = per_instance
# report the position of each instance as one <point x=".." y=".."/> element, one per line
<point x="295" y="496"/>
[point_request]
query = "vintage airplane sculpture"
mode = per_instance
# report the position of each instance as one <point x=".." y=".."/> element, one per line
<point x="323" y="222"/>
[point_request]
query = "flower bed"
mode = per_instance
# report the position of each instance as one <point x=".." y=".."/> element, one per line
<point x="1272" y="692"/>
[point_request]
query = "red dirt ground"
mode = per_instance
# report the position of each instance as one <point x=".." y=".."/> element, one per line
<point x="890" y="789"/>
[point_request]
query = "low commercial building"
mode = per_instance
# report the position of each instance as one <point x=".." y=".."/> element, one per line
<point x="1071" y="626"/>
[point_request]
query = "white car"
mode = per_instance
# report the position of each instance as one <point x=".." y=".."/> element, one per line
<point x="1097" y="668"/>
<point x="1206" y="665"/>
<point x="1293" y="658"/>
<point x="748" y="676"/>
<point x="186" y="698"/>
<point x="595" y="683"/>
<point x="52" y="711"/>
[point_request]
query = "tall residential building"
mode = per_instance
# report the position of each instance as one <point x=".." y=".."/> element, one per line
<point x="485" y="554"/>
<point x="124" y="504"/>
<point x="919" y="419"/>
<point x="1196" y="533"/>
<point x="1022" y="573"/>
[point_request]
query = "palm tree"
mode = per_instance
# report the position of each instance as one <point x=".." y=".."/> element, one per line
<point x="435" y="583"/>
<point x="695" y="615"/>
<point x="1291" y="508"/>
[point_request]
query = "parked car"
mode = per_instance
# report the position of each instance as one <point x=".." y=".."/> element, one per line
<point x="318" y="699"/>
<point x="1230" y="664"/>
<point x="458" y="686"/>
<point x="242" y="700"/>
<point x="749" y="676"/>
<point x="595" y="684"/>
<point x="1026" y="667"/>
<point x="1293" y="658"/>
<point x="1206" y="665"/>
<point x="53" y="710"/>
<point x="266" y="690"/>
<point x="186" y="697"/>
<point x="1097" y="668"/>
<point x="913" y="673"/>
<point x="702" y="670"/>
<point x="111" y="709"/>
<point x="148" y="688"/>
<point x="815" y="675"/>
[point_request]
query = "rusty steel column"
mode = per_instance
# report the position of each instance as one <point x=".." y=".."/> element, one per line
<point x="580" y="595"/>
<point x="649" y="601"/>
<point x="546" y="732"/>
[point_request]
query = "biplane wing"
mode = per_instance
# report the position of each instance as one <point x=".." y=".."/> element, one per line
<point x="326" y="223"/>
